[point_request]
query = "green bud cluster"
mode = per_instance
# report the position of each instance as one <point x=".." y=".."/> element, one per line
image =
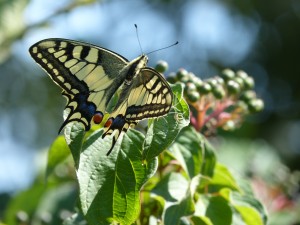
<point x="235" y="85"/>
<point x="218" y="102"/>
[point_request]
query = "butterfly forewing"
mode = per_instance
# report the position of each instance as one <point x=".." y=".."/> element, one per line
<point x="89" y="75"/>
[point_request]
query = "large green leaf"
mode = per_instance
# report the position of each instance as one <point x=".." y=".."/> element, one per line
<point x="110" y="185"/>
<point x="163" y="131"/>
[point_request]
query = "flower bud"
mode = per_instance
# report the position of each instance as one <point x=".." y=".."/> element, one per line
<point x="249" y="83"/>
<point x="229" y="125"/>
<point x="255" y="105"/>
<point x="171" y="78"/>
<point x="161" y="66"/>
<point x="189" y="87"/>
<point x="227" y="74"/>
<point x="248" y="96"/>
<point x="233" y="87"/>
<point x="181" y="73"/>
<point x="242" y="74"/>
<point x="240" y="81"/>
<point x="193" y="96"/>
<point x="205" y="88"/>
<point x="218" y="91"/>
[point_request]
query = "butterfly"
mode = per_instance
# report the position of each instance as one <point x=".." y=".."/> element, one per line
<point x="91" y="76"/>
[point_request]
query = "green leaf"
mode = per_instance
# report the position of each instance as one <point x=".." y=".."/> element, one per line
<point x="250" y="209"/>
<point x="74" y="135"/>
<point x="201" y="220"/>
<point x="188" y="152"/>
<point x="75" y="219"/>
<point x="222" y="178"/>
<point x="219" y="211"/>
<point x="26" y="201"/>
<point x="58" y="152"/>
<point x="209" y="159"/>
<point x="110" y="185"/>
<point x="62" y="197"/>
<point x="249" y="215"/>
<point x="174" y="189"/>
<point x="162" y="131"/>
<point x="193" y="153"/>
<point x="169" y="189"/>
<point x="42" y="199"/>
<point x="175" y="213"/>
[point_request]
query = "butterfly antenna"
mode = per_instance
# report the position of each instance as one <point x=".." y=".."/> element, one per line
<point x="137" y="35"/>
<point x="176" y="43"/>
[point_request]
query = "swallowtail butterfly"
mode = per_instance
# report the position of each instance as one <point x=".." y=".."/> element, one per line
<point x="90" y="76"/>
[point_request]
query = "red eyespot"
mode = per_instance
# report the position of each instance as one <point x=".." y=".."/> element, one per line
<point x="109" y="122"/>
<point x="98" y="117"/>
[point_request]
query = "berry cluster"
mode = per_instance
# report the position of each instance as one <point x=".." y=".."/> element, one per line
<point x="217" y="102"/>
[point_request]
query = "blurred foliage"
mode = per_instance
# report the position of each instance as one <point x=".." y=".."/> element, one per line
<point x="12" y="25"/>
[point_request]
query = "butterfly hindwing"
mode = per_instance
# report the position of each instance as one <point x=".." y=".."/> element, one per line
<point x="147" y="96"/>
